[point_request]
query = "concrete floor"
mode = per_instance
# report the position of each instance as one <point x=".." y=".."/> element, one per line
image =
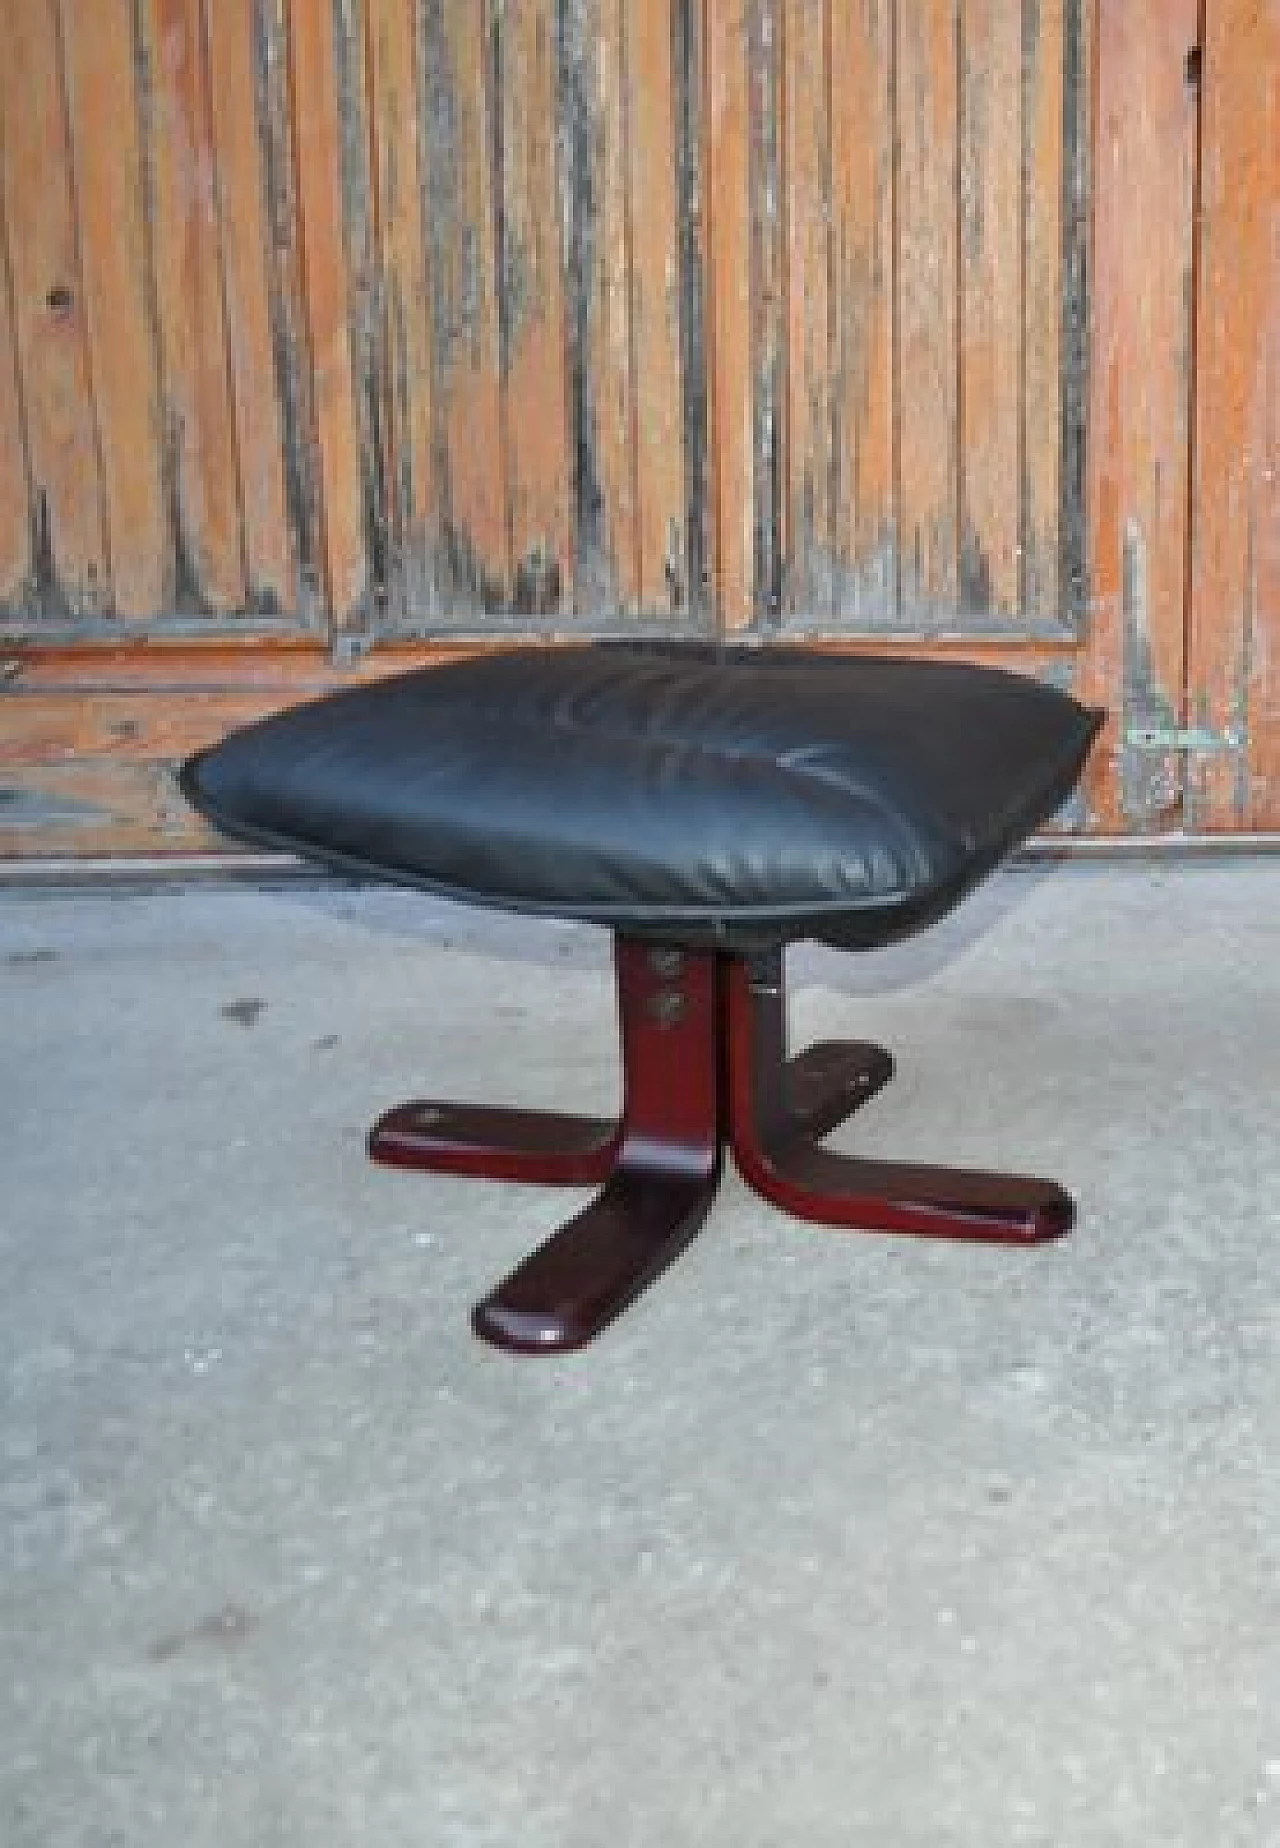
<point x="832" y="1541"/>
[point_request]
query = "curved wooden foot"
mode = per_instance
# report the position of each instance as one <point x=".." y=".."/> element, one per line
<point x="496" y="1144"/>
<point x="775" y="1145"/>
<point x="592" y="1268"/>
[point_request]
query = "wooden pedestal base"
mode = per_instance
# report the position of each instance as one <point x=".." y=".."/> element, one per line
<point x="704" y="1068"/>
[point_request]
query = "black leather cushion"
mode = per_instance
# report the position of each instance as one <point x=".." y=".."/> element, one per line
<point x="731" y="797"/>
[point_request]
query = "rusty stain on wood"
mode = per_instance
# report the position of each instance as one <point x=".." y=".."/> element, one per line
<point x="1234" y="667"/>
<point x="238" y="132"/>
<point x="70" y="573"/>
<point x="119" y="300"/>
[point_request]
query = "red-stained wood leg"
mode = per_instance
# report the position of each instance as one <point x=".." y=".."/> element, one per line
<point x="775" y="1141"/>
<point x="664" y="1176"/>
<point x="495" y="1144"/>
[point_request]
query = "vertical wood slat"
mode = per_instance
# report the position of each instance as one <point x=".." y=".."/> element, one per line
<point x="1046" y="552"/>
<point x="1140" y="394"/>
<point x="468" y="335"/>
<point x="16" y="561"/>
<point x="730" y="361"/>
<point x="863" y="264"/>
<point x="990" y="307"/>
<point x="810" y="458"/>
<point x="927" y="295"/>
<point x="199" y="435"/>
<point x="655" y="310"/>
<point x="119" y="307"/>
<point x="318" y="141"/>
<point x="1234" y="671"/>
<point x="531" y="287"/>
<point x="238" y="134"/>
<point x="402" y="184"/>
<point x="605" y="381"/>
<point x="71" y="561"/>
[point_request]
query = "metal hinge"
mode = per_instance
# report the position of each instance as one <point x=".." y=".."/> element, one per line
<point x="1196" y="739"/>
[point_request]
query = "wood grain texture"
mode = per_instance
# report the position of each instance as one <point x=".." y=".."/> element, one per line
<point x="655" y="311"/>
<point x="862" y="231"/>
<point x="202" y="472"/>
<point x="1234" y="669"/>
<point x="809" y="538"/>
<point x="1140" y="395"/>
<point x="239" y="137"/>
<point x="71" y="573"/>
<point x="402" y="181"/>
<point x="927" y="300"/>
<point x="17" y="565"/>
<point x="601" y="276"/>
<point x="990" y="310"/>
<point x="767" y="33"/>
<point x="119" y="300"/>
<point x="729" y="310"/>
<point x="532" y="308"/>
<point x="1045" y="103"/>
<point x="318" y="133"/>
<point x="467" y="322"/>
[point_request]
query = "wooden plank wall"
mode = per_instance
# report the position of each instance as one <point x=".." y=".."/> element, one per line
<point x="949" y="324"/>
<point x="371" y="316"/>
<point x="899" y="310"/>
<point x="396" y="314"/>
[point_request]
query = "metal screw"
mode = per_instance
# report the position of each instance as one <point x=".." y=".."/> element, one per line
<point x="666" y="1007"/>
<point x="666" y="963"/>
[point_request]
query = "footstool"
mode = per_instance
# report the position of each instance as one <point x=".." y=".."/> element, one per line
<point x="708" y="805"/>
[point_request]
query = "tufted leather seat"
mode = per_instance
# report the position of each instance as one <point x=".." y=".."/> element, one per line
<point x="731" y="798"/>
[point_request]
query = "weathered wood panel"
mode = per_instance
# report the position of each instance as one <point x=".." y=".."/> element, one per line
<point x="237" y="49"/>
<point x="320" y="133"/>
<point x="732" y="30"/>
<point x="120" y="306"/>
<point x="808" y="537"/>
<point x="1140" y="397"/>
<point x="601" y="274"/>
<point x="182" y="203"/>
<point x="656" y="308"/>
<point x="532" y="300"/>
<point x="1234" y="668"/>
<point x="991" y="253"/>
<point x="928" y="310"/>
<point x="864" y="359"/>
<point x="71" y="572"/>
<point x="468" y="322"/>
<point x="398" y="107"/>
<point x="16" y="560"/>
